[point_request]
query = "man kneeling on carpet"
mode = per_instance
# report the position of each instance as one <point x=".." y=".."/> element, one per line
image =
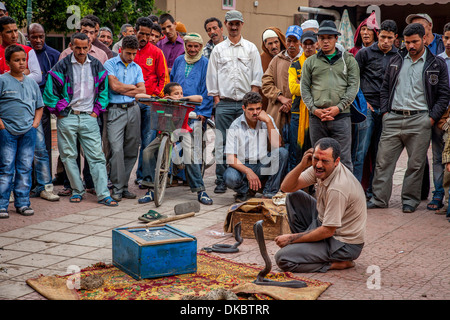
<point x="327" y="233"/>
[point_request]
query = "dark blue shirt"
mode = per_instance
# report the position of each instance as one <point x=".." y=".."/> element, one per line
<point x="47" y="58"/>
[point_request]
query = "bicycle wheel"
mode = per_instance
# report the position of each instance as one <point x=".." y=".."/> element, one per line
<point x="162" y="169"/>
<point x="208" y="158"/>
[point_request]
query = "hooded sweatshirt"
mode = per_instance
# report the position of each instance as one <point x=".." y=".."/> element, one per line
<point x="266" y="57"/>
<point x="358" y="40"/>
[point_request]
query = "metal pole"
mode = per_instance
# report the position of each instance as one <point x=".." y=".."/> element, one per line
<point x="29" y="12"/>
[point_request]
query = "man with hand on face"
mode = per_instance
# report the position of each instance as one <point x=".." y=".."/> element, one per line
<point x="275" y="82"/>
<point x="328" y="232"/>
<point x="329" y="84"/>
<point x="414" y="96"/>
<point x="214" y="29"/>
<point x="247" y="152"/>
<point x="124" y="119"/>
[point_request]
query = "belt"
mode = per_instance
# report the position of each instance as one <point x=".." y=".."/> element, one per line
<point x="80" y="112"/>
<point x="409" y="112"/>
<point x="122" y="105"/>
<point x="230" y="100"/>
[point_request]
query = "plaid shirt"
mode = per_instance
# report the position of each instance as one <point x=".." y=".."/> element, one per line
<point x="209" y="47"/>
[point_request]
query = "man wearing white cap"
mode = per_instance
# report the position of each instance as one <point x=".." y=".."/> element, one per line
<point x="234" y="69"/>
<point x="273" y="42"/>
<point x="310" y="25"/>
<point x="432" y="40"/>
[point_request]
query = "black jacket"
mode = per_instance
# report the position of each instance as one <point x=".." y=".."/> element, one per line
<point x="435" y="80"/>
<point x="372" y="67"/>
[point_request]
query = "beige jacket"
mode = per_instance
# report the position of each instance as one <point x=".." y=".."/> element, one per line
<point x="275" y="81"/>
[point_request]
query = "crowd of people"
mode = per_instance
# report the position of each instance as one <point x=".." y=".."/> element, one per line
<point x="277" y="113"/>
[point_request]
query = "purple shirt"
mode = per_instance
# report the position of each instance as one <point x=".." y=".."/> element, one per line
<point x="171" y="50"/>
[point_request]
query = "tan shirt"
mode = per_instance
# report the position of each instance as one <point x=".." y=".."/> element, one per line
<point x="341" y="203"/>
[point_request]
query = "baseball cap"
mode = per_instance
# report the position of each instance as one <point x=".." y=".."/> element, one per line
<point x="2" y="6"/>
<point x="295" y="31"/>
<point x="411" y="17"/>
<point x="234" y="15"/>
<point x="309" y="35"/>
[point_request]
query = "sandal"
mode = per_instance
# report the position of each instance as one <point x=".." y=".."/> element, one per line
<point x="151" y="215"/>
<point x="76" y="198"/>
<point x="4" y="214"/>
<point x="65" y="192"/>
<point x="108" y="201"/>
<point x="435" y="204"/>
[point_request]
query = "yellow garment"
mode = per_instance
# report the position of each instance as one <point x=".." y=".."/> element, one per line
<point x="294" y="87"/>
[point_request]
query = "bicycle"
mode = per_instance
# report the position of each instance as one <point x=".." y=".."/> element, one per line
<point x="170" y="116"/>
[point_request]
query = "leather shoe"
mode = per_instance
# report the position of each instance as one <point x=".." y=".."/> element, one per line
<point x="371" y="205"/>
<point x="220" y="188"/>
<point x="408" y="209"/>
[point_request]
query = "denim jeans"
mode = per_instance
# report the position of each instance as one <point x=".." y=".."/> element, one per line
<point x="147" y="136"/>
<point x="16" y="162"/>
<point x="374" y="134"/>
<point x="360" y="145"/>
<point x="273" y="168"/>
<point x="226" y="113"/>
<point x="42" y="168"/>
<point x="192" y="156"/>
<point x="295" y="150"/>
<point x="339" y="129"/>
<point x="437" y="146"/>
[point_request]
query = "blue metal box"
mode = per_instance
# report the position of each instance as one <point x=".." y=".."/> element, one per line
<point x="154" y="252"/>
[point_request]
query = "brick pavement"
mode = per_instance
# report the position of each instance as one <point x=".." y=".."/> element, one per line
<point x="406" y="256"/>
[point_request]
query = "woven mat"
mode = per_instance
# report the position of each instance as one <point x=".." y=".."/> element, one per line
<point x="213" y="272"/>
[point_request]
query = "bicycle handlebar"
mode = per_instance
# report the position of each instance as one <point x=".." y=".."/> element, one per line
<point x="181" y="101"/>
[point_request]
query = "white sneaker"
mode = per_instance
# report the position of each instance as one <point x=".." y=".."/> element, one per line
<point x="48" y="194"/>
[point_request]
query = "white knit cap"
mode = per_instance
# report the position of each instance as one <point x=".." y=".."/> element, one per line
<point x="310" y="24"/>
<point x="269" y="33"/>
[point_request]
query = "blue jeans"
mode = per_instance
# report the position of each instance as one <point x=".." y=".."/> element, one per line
<point x="295" y="150"/>
<point x="360" y="145"/>
<point x="226" y="113"/>
<point x="437" y="146"/>
<point x="193" y="156"/>
<point x="41" y="161"/>
<point x="273" y="168"/>
<point x="16" y="162"/>
<point x="147" y="136"/>
<point x="374" y="128"/>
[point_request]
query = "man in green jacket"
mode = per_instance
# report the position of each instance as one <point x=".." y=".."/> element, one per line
<point x="330" y="82"/>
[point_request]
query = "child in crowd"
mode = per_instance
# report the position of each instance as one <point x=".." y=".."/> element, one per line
<point x="174" y="91"/>
<point x="21" y="108"/>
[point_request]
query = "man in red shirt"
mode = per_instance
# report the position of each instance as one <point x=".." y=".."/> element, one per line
<point x="156" y="75"/>
<point x="10" y="34"/>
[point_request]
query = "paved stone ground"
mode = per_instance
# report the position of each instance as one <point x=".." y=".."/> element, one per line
<point x="406" y="256"/>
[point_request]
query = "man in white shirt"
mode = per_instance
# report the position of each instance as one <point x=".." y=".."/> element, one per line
<point x="250" y="163"/>
<point x="234" y="69"/>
